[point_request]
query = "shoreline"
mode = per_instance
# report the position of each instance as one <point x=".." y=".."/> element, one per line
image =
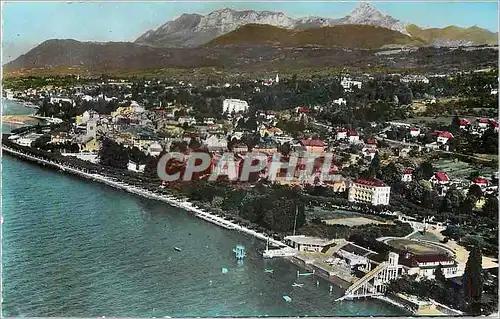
<point x="174" y="201"/>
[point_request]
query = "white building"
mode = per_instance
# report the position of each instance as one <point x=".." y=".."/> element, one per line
<point x="424" y="266"/>
<point x="341" y="134"/>
<point x="414" y="78"/>
<point x="444" y="137"/>
<point x="414" y="132"/>
<point x="234" y="105"/>
<point x="305" y="243"/>
<point x="407" y="175"/>
<point x="91" y="128"/>
<point x="186" y="119"/>
<point x="347" y="83"/>
<point x="373" y="192"/>
<point x="134" y="167"/>
<point x="340" y="101"/>
<point x="353" y="136"/>
<point x="154" y="149"/>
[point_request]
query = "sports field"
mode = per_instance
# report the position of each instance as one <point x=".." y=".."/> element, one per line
<point x="416" y="247"/>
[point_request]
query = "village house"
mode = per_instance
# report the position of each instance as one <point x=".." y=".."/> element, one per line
<point x="340" y="101"/>
<point x="483" y="123"/>
<point x="353" y="136"/>
<point x="313" y="146"/>
<point x="371" y="191"/>
<point x="464" y="124"/>
<point x="135" y="167"/>
<point x="439" y="178"/>
<point x="89" y="144"/>
<point x="371" y="142"/>
<point x="444" y="137"/>
<point x="348" y="84"/>
<point x="481" y="182"/>
<point x="216" y="143"/>
<point x="407" y="175"/>
<point x="369" y="152"/>
<point x="186" y="119"/>
<point x="414" y="132"/>
<point x="154" y="149"/>
<point x="341" y="134"/>
<point x="61" y="137"/>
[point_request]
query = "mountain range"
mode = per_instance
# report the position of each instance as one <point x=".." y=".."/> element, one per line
<point x="192" y="30"/>
<point x="194" y="40"/>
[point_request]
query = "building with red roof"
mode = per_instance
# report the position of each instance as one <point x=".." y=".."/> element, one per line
<point x="353" y="136"/>
<point x="424" y="266"/>
<point x="341" y="133"/>
<point x="483" y="122"/>
<point x="370" y="191"/>
<point x="414" y="131"/>
<point x="494" y="125"/>
<point x="481" y="182"/>
<point x="440" y="178"/>
<point x="372" y="141"/>
<point x="313" y="145"/>
<point x="464" y="124"/>
<point x="444" y="137"/>
<point x="407" y="175"/>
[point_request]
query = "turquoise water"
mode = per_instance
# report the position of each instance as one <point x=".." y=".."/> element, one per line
<point x="77" y="248"/>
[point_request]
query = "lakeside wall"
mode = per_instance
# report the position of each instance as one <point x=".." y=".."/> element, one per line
<point x="169" y="199"/>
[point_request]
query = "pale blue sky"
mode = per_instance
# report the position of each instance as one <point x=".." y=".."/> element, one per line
<point x="26" y="24"/>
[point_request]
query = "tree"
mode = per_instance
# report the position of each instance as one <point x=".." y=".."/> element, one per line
<point x="490" y="207"/>
<point x="424" y="171"/>
<point x="455" y="124"/>
<point x="473" y="275"/>
<point x="112" y="154"/>
<point x="194" y="144"/>
<point x="438" y="273"/>
<point x="475" y="191"/>
<point x="452" y="200"/>
<point x="375" y="163"/>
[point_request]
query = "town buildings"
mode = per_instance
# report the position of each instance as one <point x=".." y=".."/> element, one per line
<point x="373" y="192"/>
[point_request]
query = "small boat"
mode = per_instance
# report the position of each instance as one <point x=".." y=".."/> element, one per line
<point x="297" y="285"/>
<point x="177" y="249"/>
<point x="269" y="271"/>
<point x="287" y="298"/>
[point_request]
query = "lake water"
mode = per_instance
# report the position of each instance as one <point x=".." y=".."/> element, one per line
<point x="77" y="248"/>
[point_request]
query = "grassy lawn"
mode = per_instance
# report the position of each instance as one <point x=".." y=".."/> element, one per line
<point x="462" y="170"/>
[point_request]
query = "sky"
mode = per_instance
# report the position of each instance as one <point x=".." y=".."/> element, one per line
<point x="27" y="24"/>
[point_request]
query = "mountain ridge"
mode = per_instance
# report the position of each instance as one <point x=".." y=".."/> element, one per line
<point x="342" y="36"/>
<point x="191" y="30"/>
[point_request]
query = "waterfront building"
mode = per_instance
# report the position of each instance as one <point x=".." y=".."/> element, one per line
<point x="424" y="266"/>
<point x="305" y="243"/>
<point x="373" y="192"/>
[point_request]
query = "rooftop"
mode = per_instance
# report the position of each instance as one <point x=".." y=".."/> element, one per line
<point x="370" y="182"/>
<point x="305" y="240"/>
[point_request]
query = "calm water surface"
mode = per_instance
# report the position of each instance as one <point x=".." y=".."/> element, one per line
<point x="77" y="248"/>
